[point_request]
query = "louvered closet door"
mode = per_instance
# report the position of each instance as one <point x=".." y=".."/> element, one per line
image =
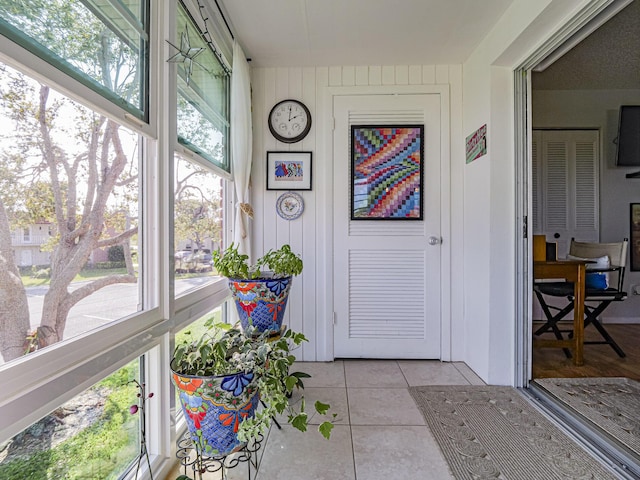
<point x="565" y="186"/>
<point x="386" y="275"/>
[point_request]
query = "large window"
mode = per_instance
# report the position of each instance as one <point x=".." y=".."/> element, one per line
<point x="103" y="44"/>
<point x="76" y="171"/>
<point x="203" y="94"/>
<point x="198" y="213"/>
<point x="95" y="284"/>
<point x="92" y="436"/>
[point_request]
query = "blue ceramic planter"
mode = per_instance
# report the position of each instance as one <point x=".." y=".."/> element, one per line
<point x="214" y="408"/>
<point x="261" y="302"/>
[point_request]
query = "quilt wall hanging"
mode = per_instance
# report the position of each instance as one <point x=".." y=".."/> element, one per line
<point x="387" y="172"/>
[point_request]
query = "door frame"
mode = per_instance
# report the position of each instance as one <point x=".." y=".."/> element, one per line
<point x="589" y="18"/>
<point x="324" y="174"/>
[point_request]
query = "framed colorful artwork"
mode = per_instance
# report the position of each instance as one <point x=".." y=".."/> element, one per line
<point x="634" y="242"/>
<point x="387" y="172"/>
<point x="288" y="170"/>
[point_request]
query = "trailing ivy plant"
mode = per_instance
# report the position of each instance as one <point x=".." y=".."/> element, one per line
<point x="279" y="263"/>
<point x="223" y="350"/>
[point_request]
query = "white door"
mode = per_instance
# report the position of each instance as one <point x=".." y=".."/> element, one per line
<point x="387" y="272"/>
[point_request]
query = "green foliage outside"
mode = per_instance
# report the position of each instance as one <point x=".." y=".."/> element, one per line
<point x="116" y="253"/>
<point x="103" y="450"/>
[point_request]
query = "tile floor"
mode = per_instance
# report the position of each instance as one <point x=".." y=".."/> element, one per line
<point x="379" y="432"/>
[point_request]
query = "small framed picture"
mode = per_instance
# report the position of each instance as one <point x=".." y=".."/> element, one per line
<point x="288" y="170"/>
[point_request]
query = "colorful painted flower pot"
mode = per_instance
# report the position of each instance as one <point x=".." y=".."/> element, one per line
<point x="261" y="302"/>
<point x="214" y="408"/>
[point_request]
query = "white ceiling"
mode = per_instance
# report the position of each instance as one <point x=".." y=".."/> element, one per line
<point x="608" y="59"/>
<point x="360" y="32"/>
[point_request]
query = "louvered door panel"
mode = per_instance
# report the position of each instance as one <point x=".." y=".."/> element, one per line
<point x="555" y="186"/>
<point x="565" y="181"/>
<point x="586" y="192"/>
<point x="387" y="294"/>
<point x="535" y="182"/>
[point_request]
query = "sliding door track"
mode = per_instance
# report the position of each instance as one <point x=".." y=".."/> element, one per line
<point x="610" y="451"/>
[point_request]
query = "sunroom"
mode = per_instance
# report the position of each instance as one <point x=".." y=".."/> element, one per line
<point x="139" y="137"/>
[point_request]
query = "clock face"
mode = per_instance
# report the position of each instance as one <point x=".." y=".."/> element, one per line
<point x="289" y="121"/>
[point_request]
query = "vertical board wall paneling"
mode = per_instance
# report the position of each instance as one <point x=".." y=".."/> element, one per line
<point x="415" y="74"/>
<point x="402" y="75"/>
<point x="375" y="75"/>
<point x="308" y="222"/>
<point x="324" y="228"/>
<point x="428" y="74"/>
<point x="362" y="76"/>
<point x="294" y="228"/>
<point x="308" y="309"/>
<point x="268" y="200"/>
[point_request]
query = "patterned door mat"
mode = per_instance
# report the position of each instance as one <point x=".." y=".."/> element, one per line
<point x="610" y="404"/>
<point x="493" y="432"/>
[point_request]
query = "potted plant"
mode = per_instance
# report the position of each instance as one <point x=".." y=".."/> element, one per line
<point x="224" y="375"/>
<point x="260" y="296"/>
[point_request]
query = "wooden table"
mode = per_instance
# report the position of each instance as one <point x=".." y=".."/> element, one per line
<point x="572" y="271"/>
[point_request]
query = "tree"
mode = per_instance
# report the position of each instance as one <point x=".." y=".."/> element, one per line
<point x="14" y="309"/>
<point x="78" y="154"/>
<point x="197" y="208"/>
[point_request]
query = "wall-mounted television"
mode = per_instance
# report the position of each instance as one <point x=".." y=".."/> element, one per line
<point x="628" y="141"/>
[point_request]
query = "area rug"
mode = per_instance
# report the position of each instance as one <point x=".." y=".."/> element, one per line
<point x="488" y="432"/>
<point x="611" y="404"/>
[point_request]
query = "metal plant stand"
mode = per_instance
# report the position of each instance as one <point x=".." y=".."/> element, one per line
<point x="197" y="464"/>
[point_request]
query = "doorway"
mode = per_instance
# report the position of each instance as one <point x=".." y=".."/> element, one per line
<point x="387" y="272"/>
<point x="578" y="114"/>
<point x="585" y="398"/>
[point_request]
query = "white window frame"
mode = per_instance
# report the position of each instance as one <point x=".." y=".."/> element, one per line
<point x="37" y="384"/>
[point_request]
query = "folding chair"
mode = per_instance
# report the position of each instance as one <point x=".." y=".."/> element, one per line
<point x="604" y="280"/>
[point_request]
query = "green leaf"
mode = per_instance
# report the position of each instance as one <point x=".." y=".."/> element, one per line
<point x="325" y="429"/>
<point x="321" y="408"/>
<point x="290" y="382"/>
<point x="300" y="422"/>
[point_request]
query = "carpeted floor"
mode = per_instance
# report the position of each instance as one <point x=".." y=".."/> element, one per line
<point x="611" y="404"/>
<point x="493" y="432"/>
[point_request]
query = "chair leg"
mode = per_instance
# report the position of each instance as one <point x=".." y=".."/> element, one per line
<point x="552" y="320"/>
<point x="592" y="318"/>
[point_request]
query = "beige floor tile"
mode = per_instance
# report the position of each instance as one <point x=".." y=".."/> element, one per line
<point x="335" y="397"/>
<point x="374" y="373"/>
<point x="293" y="455"/>
<point x="431" y="372"/>
<point x="392" y="452"/>
<point x="383" y="406"/>
<point x="323" y="374"/>
<point x="469" y="374"/>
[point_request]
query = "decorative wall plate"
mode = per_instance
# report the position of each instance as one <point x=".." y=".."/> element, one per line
<point x="290" y="205"/>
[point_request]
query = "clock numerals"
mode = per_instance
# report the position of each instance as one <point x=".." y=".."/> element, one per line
<point x="289" y="121"/>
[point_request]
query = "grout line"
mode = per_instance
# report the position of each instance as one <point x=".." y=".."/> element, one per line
<point x="353" y="450"/>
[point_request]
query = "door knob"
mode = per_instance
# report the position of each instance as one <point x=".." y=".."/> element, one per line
<point x="435" y="240"/>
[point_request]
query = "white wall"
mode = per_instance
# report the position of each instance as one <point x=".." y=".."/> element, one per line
<point x="489" y="184"/>
<point x="598" y="109"/>
<point x="310" y="309"/>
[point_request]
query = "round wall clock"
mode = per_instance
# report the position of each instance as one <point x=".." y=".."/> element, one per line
<point x="289" y="121"/>
<point x="290" y="205"/>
